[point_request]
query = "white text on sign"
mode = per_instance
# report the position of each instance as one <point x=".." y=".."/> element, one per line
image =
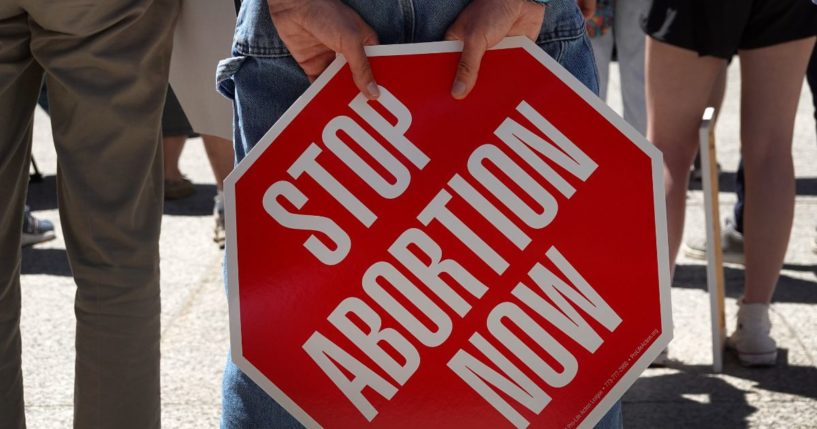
<point x="558" y="294"/>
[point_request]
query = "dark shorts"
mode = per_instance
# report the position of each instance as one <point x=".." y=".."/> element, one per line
<point x="722" y="27"/>
<point x="174" y="121"/>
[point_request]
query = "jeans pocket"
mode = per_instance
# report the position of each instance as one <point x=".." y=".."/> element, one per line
<point x="563" y="20"/>
<point x="226" y="69"/>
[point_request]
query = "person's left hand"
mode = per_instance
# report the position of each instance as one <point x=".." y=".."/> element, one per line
<point x="483" y="24"/>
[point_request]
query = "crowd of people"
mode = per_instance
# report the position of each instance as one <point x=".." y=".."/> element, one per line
<point x="111" y="62"/>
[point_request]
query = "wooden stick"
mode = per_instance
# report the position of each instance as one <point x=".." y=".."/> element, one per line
<point x="714" y="251"/>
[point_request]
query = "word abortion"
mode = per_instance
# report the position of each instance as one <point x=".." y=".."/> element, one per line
<point x="534" y="211"/>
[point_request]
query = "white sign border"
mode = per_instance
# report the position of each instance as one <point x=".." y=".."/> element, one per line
<point x="662" y="251"/>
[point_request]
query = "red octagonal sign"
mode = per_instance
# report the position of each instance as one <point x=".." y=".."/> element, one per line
<point x="423" y="262"/>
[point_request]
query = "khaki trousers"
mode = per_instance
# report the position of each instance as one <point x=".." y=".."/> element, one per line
<point x="106" y="66"/>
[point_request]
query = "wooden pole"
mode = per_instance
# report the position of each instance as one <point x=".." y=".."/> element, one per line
<point x="714" y="252"/>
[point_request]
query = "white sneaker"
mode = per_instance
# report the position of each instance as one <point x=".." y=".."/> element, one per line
<point x="751" y="339"/>
<point x="731" y="245"/>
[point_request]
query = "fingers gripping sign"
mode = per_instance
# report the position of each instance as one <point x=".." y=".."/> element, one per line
<point x="483" y="24"/>
<point x="315" y="30"/>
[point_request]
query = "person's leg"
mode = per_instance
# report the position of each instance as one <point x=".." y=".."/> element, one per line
<point x="811" y="78"/>
<point x="731" y="238"/>
<point x="243" y="79"/>
<point x="630" y="48"/>
<point x="220" y="154"/>
<point x="771" y="81"/>
<point x="679" y="83"/>
<point x="740" y="191"/>
<point x="603" y="53"/>
<point x="175" y="131"/>
<point x="613" y="419"/>
<point x="715" y="100"/>
<point x="107" y="76"/>
<point x="172" y="147"/>
<point x="20" y="78"/>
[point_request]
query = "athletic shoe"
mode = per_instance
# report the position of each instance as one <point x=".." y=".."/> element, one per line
<point x="36" y="230"/>
<point x="218" y="214"/>
<point x="751" y="339"/>
<point x="731" y="245"/>
<point x="178" y="189"/>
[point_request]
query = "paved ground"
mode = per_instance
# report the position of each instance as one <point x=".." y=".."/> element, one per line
<point x="194" y="316"/>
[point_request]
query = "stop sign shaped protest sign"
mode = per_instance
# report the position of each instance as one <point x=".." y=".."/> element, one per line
<point x="421" y="261"/>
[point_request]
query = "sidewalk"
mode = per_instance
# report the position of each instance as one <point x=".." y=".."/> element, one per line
<point x="194" y="310"/>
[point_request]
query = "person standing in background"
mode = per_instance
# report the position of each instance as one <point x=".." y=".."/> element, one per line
<point x="106" y="65"/>
<point x="732" y="230"/>
<point x="616" y="27"/>
<point x="202" y="37"/>
<point x="176" y="129"/>
<point x="688" y="47"/>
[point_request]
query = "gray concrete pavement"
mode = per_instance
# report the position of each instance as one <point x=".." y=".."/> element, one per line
<point x="194" y="315"/>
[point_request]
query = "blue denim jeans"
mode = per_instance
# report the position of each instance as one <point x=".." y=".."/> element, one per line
<point x="263" y="80"/>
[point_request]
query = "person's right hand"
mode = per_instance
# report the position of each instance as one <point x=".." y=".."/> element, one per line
<point x="315" y="30"/>
<point x="484" y="23"/>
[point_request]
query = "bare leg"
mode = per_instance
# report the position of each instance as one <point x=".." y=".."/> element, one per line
<point x="715" y="100"/>
<point x="220" y="153"/>
<point x="172" y="148"/>
<point x="771" y="81"/>
<point x="679" y="84"/>
<point x="718" y="91"/>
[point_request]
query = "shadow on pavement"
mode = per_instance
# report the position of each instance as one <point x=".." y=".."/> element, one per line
<point x="789" y="289"/>
<point x="726" y="183"/>
<point x="784" y="378"/>
<point x="43" y="195"/>
<point x="198" y="204"/>
<point x="45" y="261"/>
<point x="692" y="397"/>
<point x="687" y="399"/>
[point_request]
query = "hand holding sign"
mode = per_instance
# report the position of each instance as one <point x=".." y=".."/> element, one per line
<point x="314" y="30"/>
<point x="483" y="24"/>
